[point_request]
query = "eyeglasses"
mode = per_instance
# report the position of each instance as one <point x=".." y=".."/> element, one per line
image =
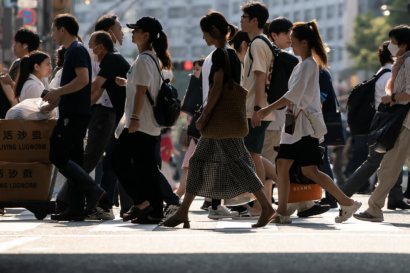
<point x="244" y="16"/>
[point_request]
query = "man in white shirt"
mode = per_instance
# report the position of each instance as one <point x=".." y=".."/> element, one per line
<point x="256" y="77"/>
<point x="370" y="166"/>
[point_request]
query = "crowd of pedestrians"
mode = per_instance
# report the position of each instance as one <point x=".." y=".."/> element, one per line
<point x="261" y="116"/>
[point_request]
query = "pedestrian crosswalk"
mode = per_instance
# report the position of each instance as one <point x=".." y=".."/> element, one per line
<point x="26" y="221"/>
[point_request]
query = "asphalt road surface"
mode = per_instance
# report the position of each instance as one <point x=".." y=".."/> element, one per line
<point x="313" y="244"/>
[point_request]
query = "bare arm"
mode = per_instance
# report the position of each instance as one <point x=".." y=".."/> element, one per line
<point x="75" y="85"/>
<point x="96" y="89"/>
<point x="282" y="102"/>
<point x="260" y="91"/>
<point x="8" y="91"/>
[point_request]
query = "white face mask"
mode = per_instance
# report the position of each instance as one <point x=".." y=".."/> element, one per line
<point x="93" y="56"/>
<point x="393" y="49"/>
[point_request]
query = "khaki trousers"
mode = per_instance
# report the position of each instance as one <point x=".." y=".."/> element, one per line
<point x="272" y="139"/>
<point x="389" y="171"/>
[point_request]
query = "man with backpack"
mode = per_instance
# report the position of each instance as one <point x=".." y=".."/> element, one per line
<point x="363" y="102"/>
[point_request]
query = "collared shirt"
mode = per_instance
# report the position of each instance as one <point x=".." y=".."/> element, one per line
<point x="402" y="83"/>
<point x="32" y="88"/>
<point x="380" y="90"/>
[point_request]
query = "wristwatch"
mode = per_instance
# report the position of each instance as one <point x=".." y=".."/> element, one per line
<point x="257" y="108"/>
<point x="392" y="97"/>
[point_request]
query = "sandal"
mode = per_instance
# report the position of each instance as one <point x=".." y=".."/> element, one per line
<point x="135" y="212"/>
<point x="172" y="222"/>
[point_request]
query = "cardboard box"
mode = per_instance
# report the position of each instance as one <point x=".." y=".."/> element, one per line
<point x="304" y="192"/>
<point x="25" y="140"/>
<point x="24" y="181"/>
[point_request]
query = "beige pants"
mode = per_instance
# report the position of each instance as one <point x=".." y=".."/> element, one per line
<point x="272" y="139"/>
<point x="389" y="171"/>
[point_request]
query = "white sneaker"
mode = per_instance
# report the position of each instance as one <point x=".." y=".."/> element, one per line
<point x="346" y="212"/>
<point x="221" y="212"/>
<point x="281" y="219"/>
<point x="100" y="214"/>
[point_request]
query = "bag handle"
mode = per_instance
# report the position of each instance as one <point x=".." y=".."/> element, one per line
<point x="151" y="101"/>
<point x="228" y="66"/>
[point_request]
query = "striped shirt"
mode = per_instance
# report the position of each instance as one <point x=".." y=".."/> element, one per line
<point x="402" y="84"/>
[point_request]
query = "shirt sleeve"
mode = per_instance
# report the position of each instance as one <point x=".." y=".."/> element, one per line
<point x="143" y="71"/>
<point x="81" y="57"/>
<point x="259" y="51"/>
<point x="407" y="77"/>
<point x="167" y="75"/>
<point x="13" y="72"/>
<point x="218" y="60"/>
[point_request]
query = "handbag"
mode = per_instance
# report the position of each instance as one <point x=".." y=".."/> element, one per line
<point x="386" y="126"/>
<point x="335" y="134"/>
<point x="318" y="123"/>
<point x="184" y="139"/>
<point x="193" y="96"/>
<point x="228" y="118"/>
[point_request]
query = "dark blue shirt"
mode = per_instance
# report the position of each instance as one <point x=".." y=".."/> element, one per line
<point x="327" y="93"/>
<point x="79" y="102"/>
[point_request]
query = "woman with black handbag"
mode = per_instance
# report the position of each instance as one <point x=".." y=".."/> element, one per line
<point x="398" y="96"/>
<point x="221" y="167"/>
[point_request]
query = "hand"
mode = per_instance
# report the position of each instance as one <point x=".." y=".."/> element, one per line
<point x="6" y="80"/>
<point x="386" y="99"/>
<point x="121" y="81"/>
<point x="263" y="113"/>
<point x="47" y="108"/>
<point x="134" y="126"/>
<point x="52" y="95"/>
<point x="255" y="121"/>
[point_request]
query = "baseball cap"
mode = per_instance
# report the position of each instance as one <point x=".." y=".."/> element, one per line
<point x="148" y="24"/>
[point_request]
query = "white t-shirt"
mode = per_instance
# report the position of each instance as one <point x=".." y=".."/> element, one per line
<point x="304" y="93"/>
<point x="262" y="61"/>
<point x="143" y="72"/>
<point x="56" y="82"/>
<point x="206" y="71"/>
<point x="32" y="88"/>
<point x="381" y="83"/>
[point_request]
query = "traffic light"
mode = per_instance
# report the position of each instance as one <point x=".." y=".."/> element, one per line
<point x="184" y="65"/>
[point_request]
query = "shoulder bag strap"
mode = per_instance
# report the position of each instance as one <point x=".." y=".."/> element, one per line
<point x="228" y="66"/>
<point x="160" y="73"/>
<point x="262" y="37"/>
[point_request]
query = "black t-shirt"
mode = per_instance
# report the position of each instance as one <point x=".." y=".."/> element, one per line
<point x="327" y="93"/>
<point x="114" y="65"/>
<point x="79" y="102"/>
<point x="218" y="61"/>
<point x="4" y="103"/>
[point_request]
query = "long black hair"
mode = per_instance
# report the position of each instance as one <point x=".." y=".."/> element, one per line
<point x="217" y="20"/>
<point x="27" y="67"/>
<point x="310" y="33"/>
<point x="160" y="46"/>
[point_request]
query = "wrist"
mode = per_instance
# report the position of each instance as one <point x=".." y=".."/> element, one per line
<point x="392" y="97"/>
<point x="257" y="108"/>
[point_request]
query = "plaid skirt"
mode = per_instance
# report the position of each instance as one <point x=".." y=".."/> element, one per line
<point x="221" y="169"/>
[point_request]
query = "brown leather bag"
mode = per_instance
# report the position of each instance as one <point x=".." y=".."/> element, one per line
<point x="184" y="140"/>
<point x="228" y="118"/>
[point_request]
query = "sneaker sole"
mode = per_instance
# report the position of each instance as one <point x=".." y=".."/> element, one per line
<point x="369" y="220"/>
<point x="221" y="217"/>
<point x="356" y="206"/>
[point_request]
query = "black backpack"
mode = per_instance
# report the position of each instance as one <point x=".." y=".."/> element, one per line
<point x="168" y="107"/>
<point x="283" y="65"/>
<point x="361" y="106"/>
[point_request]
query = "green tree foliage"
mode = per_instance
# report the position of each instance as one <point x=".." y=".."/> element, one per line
<point x="369" y="33"/>
<point x="398" y="17"/>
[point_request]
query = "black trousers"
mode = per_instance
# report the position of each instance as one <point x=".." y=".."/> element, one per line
<point x="66" y="144"/>
<point x="136" y="167"/>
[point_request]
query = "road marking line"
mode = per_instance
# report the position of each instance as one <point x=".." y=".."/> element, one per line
<point x="16" y="242"/>
<point x="119" y="225"/>
<point x="356" y="225"/>
<point x="241" y="225"/>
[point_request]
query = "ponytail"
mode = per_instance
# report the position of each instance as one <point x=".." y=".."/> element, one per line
<point x="217" y="20"/>
<point x="26" y="67"/>
<point x="310" y="33"/>
<point x="160" y="46"/>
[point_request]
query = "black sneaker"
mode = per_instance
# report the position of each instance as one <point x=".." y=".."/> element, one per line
<point x="315" y="210"/>
<point x="240" y="209"/>
<point x="205" y="206"/>
<point x="325" y="201"/>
